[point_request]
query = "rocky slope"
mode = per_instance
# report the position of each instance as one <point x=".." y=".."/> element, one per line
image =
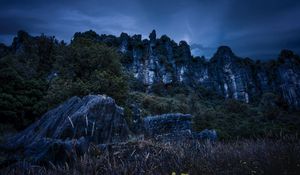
<point x="162" y="61"/>
<point x="69" y="130"/>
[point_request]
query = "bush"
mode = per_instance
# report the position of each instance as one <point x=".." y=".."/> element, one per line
<point x="234" y="106"/>
<point x="154" y="105"/>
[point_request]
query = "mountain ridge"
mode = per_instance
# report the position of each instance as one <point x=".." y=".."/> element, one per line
<point x="163" y="61"/>
<point x="227" y="74"/>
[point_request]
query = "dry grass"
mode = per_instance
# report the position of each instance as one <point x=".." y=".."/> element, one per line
<point x="261" y="156"/>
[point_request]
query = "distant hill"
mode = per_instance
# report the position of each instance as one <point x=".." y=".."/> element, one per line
<point x="149" y="77"/>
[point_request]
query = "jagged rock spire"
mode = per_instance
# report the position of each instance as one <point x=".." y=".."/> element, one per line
<point x="224" y="54"/>
<point x="224" y="50"/>
<point x="286" y="55"/>
<point x="152" y="35"/>
<point x="124" y="36"/>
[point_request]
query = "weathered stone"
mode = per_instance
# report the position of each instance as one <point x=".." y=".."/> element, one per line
<point x="167" y="123"/>
<point x="55" y="150"/>
<point x="137" y="120"/>
<point x="183" y="135"/>
<point x="206" y="135"/>
<point x="152" y="36"/>
<point x="70" y="127"/>
<point x="174" y="127"/>
<point x="230" y="76"/>
<point x="288" y="78"/>
<point x="178" y="136"/>
<point x="163" y="61"/>
<point x="124" y="42"/>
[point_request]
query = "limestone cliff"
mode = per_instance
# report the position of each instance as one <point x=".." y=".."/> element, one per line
<point x="164" y="61"/>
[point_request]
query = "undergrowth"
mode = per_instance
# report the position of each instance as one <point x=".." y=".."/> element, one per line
<point x="261" y="156"/>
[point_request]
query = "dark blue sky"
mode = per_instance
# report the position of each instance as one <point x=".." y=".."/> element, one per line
<point x="256" y="28"/>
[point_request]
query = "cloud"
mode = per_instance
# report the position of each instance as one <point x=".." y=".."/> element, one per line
<point x="200" y="50"/>
<point x="254" y="28"/>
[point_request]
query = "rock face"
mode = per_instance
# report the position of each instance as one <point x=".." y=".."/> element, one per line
<point x="230" y="75"/>
<point x="162" y="61"/>
<point x="288" y="78"/>
<point x="174" y="127"/>
<point x="167" y="123"/>
<point x="68" y="130"/>
<point x="206" y="134"/>
<point x="70" y="127"/>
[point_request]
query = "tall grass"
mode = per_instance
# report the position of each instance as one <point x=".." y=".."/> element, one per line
<point x="262" y="156"/>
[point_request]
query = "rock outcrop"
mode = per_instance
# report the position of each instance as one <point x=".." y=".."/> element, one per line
<point x="66" y="132"/>
<point x="162" y="61"/>
<point x="207" y="134"/>
<point x="68" y="129"/>
<point x="287" y="80"/>
<point x="174" y="127"/>
<point x="167" y="123"/>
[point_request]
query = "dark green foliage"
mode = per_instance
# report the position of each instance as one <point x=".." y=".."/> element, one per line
<point x="89" y="35"/>
<point x="62" y="89"/>
<point x="235" y="106"/>
<point x="155" y="105"/>
<point x="159" y="88"/>
<point x="21" y="99"/>
<point x="135" y="85"/>
<point x="89" y="68"/>
<point x="231" y="118"/>
<point x="93" y="37"/>
<point x="83" y="67"/>
<point x="127" y="58"/>
<point x="268" y="105"/>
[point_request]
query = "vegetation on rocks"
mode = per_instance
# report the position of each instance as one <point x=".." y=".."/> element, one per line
<point x="39" y="73"/>
<point x="231" y="118"/>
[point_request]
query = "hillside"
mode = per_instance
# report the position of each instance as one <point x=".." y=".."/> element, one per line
<point x="147" y="105"/>
<point x="152" y="76"/>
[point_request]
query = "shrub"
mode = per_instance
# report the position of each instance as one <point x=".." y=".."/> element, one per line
<point x="234" y="106"/>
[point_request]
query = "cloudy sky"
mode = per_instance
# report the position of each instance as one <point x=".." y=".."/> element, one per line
<point x="255" y="28"/>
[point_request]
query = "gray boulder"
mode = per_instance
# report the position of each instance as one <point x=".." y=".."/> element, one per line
<point x="206" y="134"/>
<point x="70" y="127"/>
<point x="167" y="123"/>
<point x="174" y="127"/>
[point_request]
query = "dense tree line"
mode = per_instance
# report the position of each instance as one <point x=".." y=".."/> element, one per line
<point x="39" y="73"/>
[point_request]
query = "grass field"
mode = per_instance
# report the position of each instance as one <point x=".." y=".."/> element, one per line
<point x="260" y="156"/>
